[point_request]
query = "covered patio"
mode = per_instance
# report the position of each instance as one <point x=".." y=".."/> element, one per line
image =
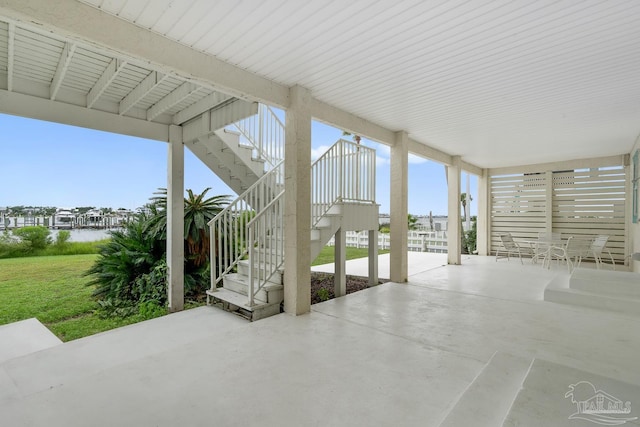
<point x="540" y="100"/>
<point x="441" y="349"/>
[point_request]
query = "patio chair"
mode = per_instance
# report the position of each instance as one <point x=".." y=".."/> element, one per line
<point x="543" y="245"/>
<point x="572" y="252"/>
<point x="597" y="248"/>
<point x="511" y="247"/>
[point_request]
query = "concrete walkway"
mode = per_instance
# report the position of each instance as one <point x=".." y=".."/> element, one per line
<point x="392" y="355"/>
<point x="418" y="262"/>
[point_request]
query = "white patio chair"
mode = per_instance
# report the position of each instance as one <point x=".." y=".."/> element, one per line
<point x="543" y="246"/>
<point x="511" y="247"/>
<point x="572" y="252"/>
<point x="597" y="248"/>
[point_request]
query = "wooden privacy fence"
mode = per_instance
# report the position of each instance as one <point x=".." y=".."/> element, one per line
<point x="584" y="202"/>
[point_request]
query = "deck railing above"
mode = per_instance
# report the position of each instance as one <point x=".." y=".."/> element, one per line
<point x="344" y="173"/>
<point x="265" y="133"/>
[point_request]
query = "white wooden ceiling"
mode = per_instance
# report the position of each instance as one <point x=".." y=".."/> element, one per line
<point x="498" y="82"/>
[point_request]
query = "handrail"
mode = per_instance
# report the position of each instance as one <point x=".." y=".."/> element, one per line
<point x="266" y="245"/>
<point x="265" y="133"/>
<point x="228" y="229"/>
<point x="344" y="173"/>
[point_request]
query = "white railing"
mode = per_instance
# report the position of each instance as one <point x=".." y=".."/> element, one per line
<point x="265" y="133"/>
<point x="228" y="229"/>
<point x="266" y="245"/>
<point x="417" y="241"/>
<point x="345" y="173"/>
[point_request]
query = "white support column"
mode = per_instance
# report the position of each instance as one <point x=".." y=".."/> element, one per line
<point x="340" y="259"/>
<point x="399" y="270"/>
<point x="373" y="257"/>
<point x="454" y="225"/>
<point x="297" y="220"/>
<point x="549" y="201"/>
<point x="483" y="238"/>
<point x="175" y="220"/>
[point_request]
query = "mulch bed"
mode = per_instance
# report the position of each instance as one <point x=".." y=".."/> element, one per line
<point x="325" y="281"/>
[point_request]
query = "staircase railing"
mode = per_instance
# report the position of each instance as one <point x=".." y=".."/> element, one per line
<point x="265" y="133"/>
<point x="228" y="229"/>
<point x="344" y="173"/>
<point x="266" y="245"/>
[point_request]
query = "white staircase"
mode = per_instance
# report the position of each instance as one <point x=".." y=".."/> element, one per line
<point x="247" y="238"/>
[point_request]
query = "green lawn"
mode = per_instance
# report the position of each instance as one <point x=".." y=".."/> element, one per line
<point x="53" y="290"/>
<point x="326" y="255"/>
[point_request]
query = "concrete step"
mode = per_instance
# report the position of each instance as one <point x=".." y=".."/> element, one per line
<point x="75" y="360"/>
<point x="269" y="293"/>
<point x="243" y="269"/>
<point x="551" y="393"/>
<point x="606" y="282"/>
<point x="559" y="291"/>
<point x="487" y="400"/>
<point x="25" y="337"/>
<point x="237" y="303"/>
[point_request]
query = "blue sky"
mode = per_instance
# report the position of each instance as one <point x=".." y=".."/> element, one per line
<point x="48" y="164"/>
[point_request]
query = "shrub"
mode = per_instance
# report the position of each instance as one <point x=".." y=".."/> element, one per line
<point x="62" y="238"/>
<point x="323" y="294"/>
<point x="38" y="236"/>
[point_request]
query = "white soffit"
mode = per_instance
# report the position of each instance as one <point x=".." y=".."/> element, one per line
<point x="499" y="83"/>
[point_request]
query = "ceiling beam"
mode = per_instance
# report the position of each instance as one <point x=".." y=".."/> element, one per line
<point x="473" y="169"/>
<point x="598" y="162"/>
<point x="431" y="153"/>
<point x="109" y="74"/>
<point x="350" y="122"/>
<point x="61" y="69"/>
<point x="11" y="51"/>
<point x="33" y="107"/>
<point x="205" y="104"/>
<point x="146" y="86"/>
<point x="177" y="96"/>
<point x="84" y="23"/>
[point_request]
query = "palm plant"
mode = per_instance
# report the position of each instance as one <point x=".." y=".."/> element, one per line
<point x="198" y="211"/>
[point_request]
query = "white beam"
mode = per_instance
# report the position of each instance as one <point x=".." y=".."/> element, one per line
<point x="431" y="153"/>
<point x="399" y="269"/>
<point x="44" y="109"/>
<point x="597" y="162"/>
<point x="350" y="122"/>
<point x="11" y="51"/>
<point x="175" y="220"/>
<point x="177" y="96"/>
<point x="454" y="224"/>
<point x="297" y="212"/>
<point x="61" y="69"/>
<point x="473" y="169"/>
<point x="84" y="23"/>
<point x="206" y="103"/>
<point x="109" y="74"/>
<point x="483" y="222"/>
<point x="148" y="84"/>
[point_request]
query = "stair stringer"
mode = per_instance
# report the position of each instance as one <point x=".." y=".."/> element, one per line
<point x="219" y="149"/>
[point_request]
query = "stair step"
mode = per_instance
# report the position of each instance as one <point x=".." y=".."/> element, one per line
<point x="237" y="303"/>
<point x="607" y="282"/>
<point x="243" y="269"/>
<point x="487" y="400"/>
<point x="25" y="337"/>
<point x="542" y="401"/>
<point x="559" y="291"/>
<point x="271" y="292"/>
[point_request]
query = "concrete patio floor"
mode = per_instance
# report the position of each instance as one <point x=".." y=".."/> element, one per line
<point x="392" y="355"/>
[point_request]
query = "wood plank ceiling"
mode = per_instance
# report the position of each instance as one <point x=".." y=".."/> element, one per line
<point x="500" y="82"/>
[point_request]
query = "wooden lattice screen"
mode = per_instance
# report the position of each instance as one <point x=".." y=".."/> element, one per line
<point x="582" y="202"/>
